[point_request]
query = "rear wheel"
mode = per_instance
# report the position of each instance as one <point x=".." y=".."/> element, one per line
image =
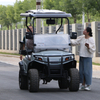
<point x="74" y="80"/>
<point x="63" y="83"/>
<point x="33" y="80"/>
<point x="22" y="82"/>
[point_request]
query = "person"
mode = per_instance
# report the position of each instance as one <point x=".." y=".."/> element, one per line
<point x="29" y="42"/>
<point x="87" y="48"/>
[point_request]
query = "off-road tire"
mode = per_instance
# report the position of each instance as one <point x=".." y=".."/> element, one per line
<point x="33" y="80"/>
<point x="63" y="83"/>
<point x="22" y="82"/>
<point x="74" y="80"/>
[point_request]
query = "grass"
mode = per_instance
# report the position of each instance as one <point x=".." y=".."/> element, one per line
<point x="9" y="53"/>
<point x="93" y="63"/>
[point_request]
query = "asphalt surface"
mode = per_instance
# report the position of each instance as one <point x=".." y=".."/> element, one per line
<point x="9" y="88"/>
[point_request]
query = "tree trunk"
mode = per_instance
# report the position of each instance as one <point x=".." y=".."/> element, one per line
<point x="8" y="27"/>
<point x="88" y="20"/>
<point x="74" y="20"/>
<point x="11" y="26"/>
<point x="16" y="26"/>
<point x="88" y="17"/>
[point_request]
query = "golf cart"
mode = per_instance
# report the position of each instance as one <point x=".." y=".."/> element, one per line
<point x="51" y="57"/>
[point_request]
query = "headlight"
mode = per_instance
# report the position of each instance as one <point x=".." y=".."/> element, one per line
<point x="67" y="58"/>
<point x="38" y="58"/>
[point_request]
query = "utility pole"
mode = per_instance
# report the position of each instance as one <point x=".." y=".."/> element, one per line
<point x="83" y="18"/>
<point x="38" y="21"/>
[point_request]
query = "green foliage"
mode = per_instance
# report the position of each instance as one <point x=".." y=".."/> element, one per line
<point x="17" y="11"/>
<point x="72" y="6"/>
<point x="10" y="15"/>
<point x="25" y="5"/>
<point x="9" y="54"/>
<point x="48" y="4"/>
<point x="95" y="5"/>
<point x="3" y="16"/>
<point x="32" y="4"/>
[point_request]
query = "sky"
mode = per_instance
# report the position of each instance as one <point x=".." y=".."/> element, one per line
<point x="8" y="2"/>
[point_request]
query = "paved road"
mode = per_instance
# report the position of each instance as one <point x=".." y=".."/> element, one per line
<point x="9" y="89"/>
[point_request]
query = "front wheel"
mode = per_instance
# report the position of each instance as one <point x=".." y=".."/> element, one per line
<point x="33" y="80"/>
<point x="74" y="80"/>
<point x="22" y="82"/>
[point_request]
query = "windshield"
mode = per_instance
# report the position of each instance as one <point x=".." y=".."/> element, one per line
<point x="52" y="41"/>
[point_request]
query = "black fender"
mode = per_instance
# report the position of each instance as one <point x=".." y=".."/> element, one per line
<point x="22" y="68"/>
<point x="74" y="64"/>
<point x="35" y="64"/>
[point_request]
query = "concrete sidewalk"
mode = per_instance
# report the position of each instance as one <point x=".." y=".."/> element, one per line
<point x="14" y="60"/>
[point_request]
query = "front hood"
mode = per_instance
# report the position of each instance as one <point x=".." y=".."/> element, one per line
<point x="46" y="53"/>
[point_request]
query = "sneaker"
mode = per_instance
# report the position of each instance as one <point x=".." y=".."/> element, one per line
<point x="82" y="87"/>
<point x="87" y="88"/>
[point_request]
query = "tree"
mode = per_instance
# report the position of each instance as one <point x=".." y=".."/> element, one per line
<point x="10" y="14"/>
<point x="48" y="4"/>
<point x="95" y="4"/>
<point x="3" y="17"/>
<point x="72" y="6"/>
<point x="32" y="4"/>
<point x="88" y="8"/>
<point x="22" y="7"/>
<point x="17" y="11"/>
<point x="53" y="4"/>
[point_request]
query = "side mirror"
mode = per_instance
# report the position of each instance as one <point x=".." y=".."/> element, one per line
<point x="73" y="35"/>
<point x="29" y="35"/>
<point x="50" y="21"/>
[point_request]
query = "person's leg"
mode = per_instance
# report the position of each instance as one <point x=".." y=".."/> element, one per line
<point x="88" y="73"/>
<point x="81" y="69"/>
<point x="88" y="70"/>
<point x="83" y="72"/>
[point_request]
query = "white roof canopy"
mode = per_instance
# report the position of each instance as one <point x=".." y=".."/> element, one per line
<point x="41" y="13"/>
